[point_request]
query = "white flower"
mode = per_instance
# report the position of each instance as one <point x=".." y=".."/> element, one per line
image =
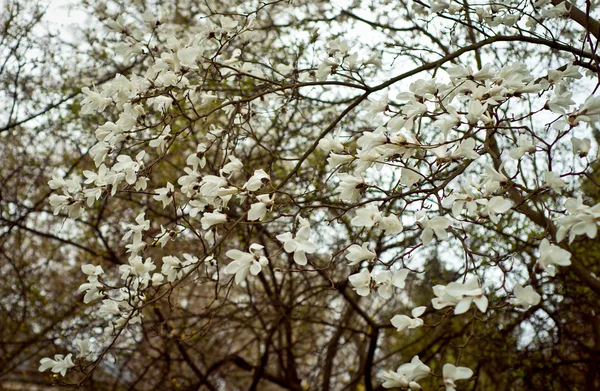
<point x="552" y="180"/>
<point x="259" y="210"/>
<point x="299" y="245"/>
<point x="524" y="146"/>
<point x="328" y="144"/>
<point x="407" y="375"/>
<point x="361" y="282"/>
<point x="246" y="263"/>
<point x="84" y="347"/>
<point x="92" y="270"/>
<point x="214" y="218"/>
<point x="60" y="364"/>
<point x="452" y="373"/>
<point x="437" y="225"/>
<point x="442" y="298"/>
<point x="93" y="101"/>
<point x="165" y="194"/>
<point x="161" y="141"/>
<point x="525" y="297"/>
<point x="366" y="217"/>
<point x="257" y="180"/>
<point x="550" y="255"/>
<point x="409" y="176"/>
<point x="387" y="281"/>
<point x="581" y="147"/>
<point x="391" y="225"/>
<point x="234" y="165"/>
<point x="350" y="187"/>
<point x="495" y="206"/>
<point x="357" y="254"/>
<point x="136" y="230"/>
<point x="403" y="322"/>
<point x="466" y="150"/>
<point x="467" y="293"/>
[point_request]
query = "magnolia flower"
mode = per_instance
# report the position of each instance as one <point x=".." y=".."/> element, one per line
<point x="259" y="210"/>
<point x="328" y="144"/>
<point x="407" y="375"/>
<point x="495" y="206"/>
<point x="299" y="245"/>
<point x="366" y="217"/>
<point x="403" y="322"/>
<point x="581" y="147"/>
<point x="452" y="373"/>
<point x="214" y="218"/>
<point x="552" y="180"/>
<point x="525" y="297"/>
<point x="386" y="282"/>
<point x="350" y="187"/>
<point x="246" y="263"/>
<point x="409" y="176"/>
<point x="466" y="149"/>
<point x="436" y="225"/>
<point x="357" y="254"/>
<point x="165" y="194"/>
<point x="442" y="298"/>
<point x="136" y="230"/>
<point x="391" y="225"/>
<point x="84" y="347"/>
<point x="524" y="146"/>
<point x="60" y="364"/>
<point x="550" y="255"/>
<point x="361" y="282"/>
<point x="257" y="180"/>
<point x="467" y="293"/>
<point x="234" y="165"/>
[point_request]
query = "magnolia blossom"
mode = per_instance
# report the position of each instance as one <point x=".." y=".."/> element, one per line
<point x="165" y="194"/>
<point x="391" y="225"/>
<point x="357" y="254"/>
<point x="581" y="147"/>
<point x="84" y="346"/>
<point x="367" y="217"/>
<point x="258" y="210"/>
<point x="407" y="375"/>
<point x="583" y="220"/>
<point x="452" y="373"/>
<point x="60" y="364"/>
<point x="361" y="282"/>
<point x="437" y="225"/>
<point x="552" y="180"/>
<point x="386" y="281"/>
<point x="246" y="263"/>
<point x="460" y="296"/>
<point x="300" y="245"/>
<point x="257" y="180"/>
<point x="525" y="297"/>
<point x="350" y="187"/>
<point x="495" y="206"/>
<point x="402" y="322"/>
<point x="214" y="218"/>
<point x="550" y="255"/>
<point x="524" y="146"/>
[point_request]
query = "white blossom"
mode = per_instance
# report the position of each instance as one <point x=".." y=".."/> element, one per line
<point x="246" y="263"/>
<point x="403" y="322"/>
<point x="452" y="373"/>
<point x="361" y="282"/>
<point x="300" y="244"/>
<point x="550" y="255"/>
<point x="357" y="254"/>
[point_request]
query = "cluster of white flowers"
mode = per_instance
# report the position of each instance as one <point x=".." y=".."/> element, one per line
<point x="228" y="190"/>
